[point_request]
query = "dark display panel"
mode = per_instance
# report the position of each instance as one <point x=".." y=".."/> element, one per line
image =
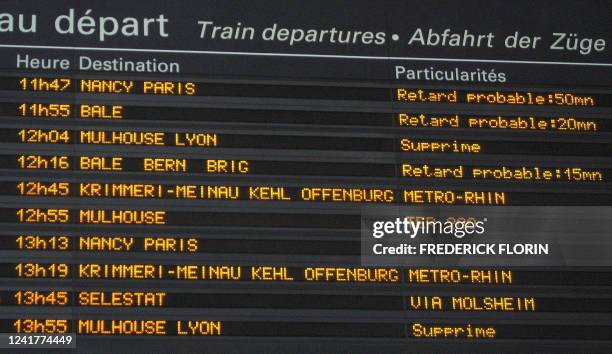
<point x="190" y="177"/>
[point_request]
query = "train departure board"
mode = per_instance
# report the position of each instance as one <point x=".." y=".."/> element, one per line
<point x="316" y="176"/>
